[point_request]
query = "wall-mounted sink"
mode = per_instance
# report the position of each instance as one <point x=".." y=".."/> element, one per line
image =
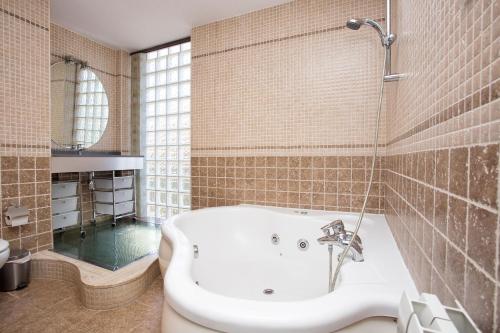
<point x="89" y="161"/>
<point x="87" y="153"/>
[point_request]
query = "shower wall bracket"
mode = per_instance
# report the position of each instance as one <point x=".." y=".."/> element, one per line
<point x="395" y="77"/>
<point x="389" y="76"/>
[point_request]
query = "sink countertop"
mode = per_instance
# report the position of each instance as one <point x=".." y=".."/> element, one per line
<point x="85" y="153"/>
<point x="88" y="163"/>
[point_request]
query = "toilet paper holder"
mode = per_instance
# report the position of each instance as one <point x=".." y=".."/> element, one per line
<point x="16" y="216"/>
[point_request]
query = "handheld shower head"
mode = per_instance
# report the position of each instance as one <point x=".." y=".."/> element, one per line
<point x="356" y="23"/>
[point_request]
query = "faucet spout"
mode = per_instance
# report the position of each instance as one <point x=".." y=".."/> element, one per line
<point x="78" y="148"/>
<point x="335" y="234"/>
<point x="335" y="227"/>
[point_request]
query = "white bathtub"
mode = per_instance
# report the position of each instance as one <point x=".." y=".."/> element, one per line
<point x="221" y="290"/>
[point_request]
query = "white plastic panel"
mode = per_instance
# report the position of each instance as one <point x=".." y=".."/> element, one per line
<point x="65" y="220"/>
<point x="120" y="196"/>
<point x="120" y="182"/>
<point x="60" y="164"/>
<point x="121" y="208"/>
<point x="64" y="205"/>
<point x="61" y="190"/>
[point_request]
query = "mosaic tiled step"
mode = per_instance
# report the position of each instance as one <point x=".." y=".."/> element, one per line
<point x="99" y="288"/>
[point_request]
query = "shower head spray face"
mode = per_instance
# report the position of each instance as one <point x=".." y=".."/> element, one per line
<point x="356" y="23"/>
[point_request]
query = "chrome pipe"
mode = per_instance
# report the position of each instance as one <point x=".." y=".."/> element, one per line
<point x="388" y="16"/>
<point x="389" y="76"/>
<point x="388" y="62"/>
<point x="388" y="32"/>
<point x="330" y="275"/>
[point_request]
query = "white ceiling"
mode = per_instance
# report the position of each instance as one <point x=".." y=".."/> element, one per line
<point x="138" y="24"/>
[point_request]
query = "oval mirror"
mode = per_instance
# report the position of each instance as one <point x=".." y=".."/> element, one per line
<point x="79" y="105"/>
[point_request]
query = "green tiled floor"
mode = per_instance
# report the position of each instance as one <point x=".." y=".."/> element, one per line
<point x="107" y="246"/>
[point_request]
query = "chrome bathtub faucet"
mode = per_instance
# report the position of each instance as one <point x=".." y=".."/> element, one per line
<point x="335" y="234"/>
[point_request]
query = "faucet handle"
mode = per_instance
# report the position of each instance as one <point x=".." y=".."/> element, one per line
<point x="333" y="228"/>
<point x="326" y="229"/>
<point x="338" y="226"/>
<point x="349" y="235"/>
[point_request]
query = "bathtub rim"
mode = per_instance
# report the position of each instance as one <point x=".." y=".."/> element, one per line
<point x="348" y="304"/>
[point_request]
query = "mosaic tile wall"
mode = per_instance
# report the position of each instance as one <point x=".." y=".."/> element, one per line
<point x="23" y="78"/>
<point x="277" y="89"/>
<point x="443" y="138"/>
<point x="113" y="69"/>
<point x="25" y="120"/>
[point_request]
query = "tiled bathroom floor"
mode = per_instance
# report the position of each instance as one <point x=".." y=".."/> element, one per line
<point x="53" y="306"/>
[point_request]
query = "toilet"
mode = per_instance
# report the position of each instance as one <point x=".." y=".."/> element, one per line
<point x="4" y="252"/>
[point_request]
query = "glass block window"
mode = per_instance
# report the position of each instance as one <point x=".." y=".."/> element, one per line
<point x="91" y="112"/>
<point x="166" y="133"/>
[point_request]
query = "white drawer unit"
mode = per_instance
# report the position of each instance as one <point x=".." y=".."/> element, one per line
<point x="120" y="196"/>
<point x="120" y="182"/>
<point x="66" y="198"/>
<point x="65" y="220"/>
<point x="66" y="189"/>
<point x="120" y="208"/>
<point x="64" y="205"/>
<point x="114" y="191"/>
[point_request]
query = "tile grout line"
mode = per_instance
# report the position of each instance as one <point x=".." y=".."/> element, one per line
<point x="23" y="19"/>
<point x="274" y="40"/>
<point x="472" y="261"/>
<point x="456" y="196"/>
<point x="434" y="216"/>
<point x="468" y="129"/>
<point x="408" y="135"/>
<point x="448" y="168"/>
<point x="422" y="253"/>
<point x="496" y="323"/>
<point x="467" y="216"/>
<point x="422" y="250"/>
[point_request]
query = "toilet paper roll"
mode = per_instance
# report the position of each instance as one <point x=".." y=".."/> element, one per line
<point x="17" y="221"/>
<point x="16" y="216"/>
